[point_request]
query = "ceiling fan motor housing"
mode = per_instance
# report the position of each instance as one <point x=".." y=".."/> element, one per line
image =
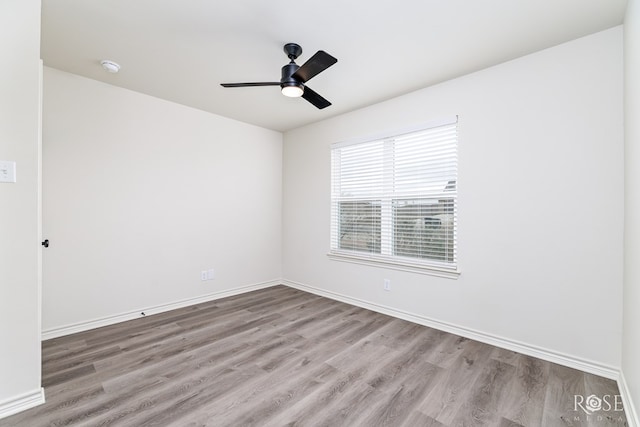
<point x="287" y="72"/>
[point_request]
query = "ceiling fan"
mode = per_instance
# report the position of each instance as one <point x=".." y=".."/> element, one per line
<point x="295" y="76"/>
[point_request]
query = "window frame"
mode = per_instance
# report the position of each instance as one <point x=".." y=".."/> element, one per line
<point x="386" y="257"/>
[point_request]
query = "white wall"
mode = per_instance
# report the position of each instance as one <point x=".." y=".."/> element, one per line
<point x="631" y="329"/>
<point x="141" y="194"/>
<point x="540" y="202"/>
<point x="19" y="244"/>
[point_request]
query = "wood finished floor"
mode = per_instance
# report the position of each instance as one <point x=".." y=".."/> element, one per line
<point x="283" y="357"/>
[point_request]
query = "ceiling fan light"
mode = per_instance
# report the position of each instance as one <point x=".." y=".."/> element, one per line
<point x="292" y="91"/>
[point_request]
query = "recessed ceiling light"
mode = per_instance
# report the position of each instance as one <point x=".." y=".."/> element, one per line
<point x="110" y="66"/>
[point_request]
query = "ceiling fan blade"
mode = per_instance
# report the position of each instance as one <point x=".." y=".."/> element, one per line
<point x="250" y="84"/>
<point x="314" y="98"/>
<point x="315" y="65"/>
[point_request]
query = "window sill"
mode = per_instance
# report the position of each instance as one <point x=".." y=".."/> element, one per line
<point x="394" y="264"/>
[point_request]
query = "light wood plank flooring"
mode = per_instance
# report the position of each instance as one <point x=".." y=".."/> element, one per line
<point x="283" y="357"/>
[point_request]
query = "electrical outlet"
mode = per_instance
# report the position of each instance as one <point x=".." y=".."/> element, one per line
<point x="203" y="275"/>
<point x="210" y="274"/>
<point x="387" y="285"/>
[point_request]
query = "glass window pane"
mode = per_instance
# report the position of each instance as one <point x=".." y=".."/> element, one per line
<point x="424" y="228"/>
<point x="360" y="226"/>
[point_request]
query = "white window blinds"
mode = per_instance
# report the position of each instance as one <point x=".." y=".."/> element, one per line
<point x="393" y="199"/>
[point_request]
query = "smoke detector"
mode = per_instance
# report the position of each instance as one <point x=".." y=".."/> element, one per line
<point x="110" y="66"/>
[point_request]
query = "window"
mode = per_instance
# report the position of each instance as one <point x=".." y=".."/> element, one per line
<point x="394" y="200"/>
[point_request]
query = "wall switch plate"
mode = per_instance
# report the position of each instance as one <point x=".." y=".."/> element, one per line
<point x="7" y="171"/>
<point x="387" y="285"/>
<point x="210" y="274"/>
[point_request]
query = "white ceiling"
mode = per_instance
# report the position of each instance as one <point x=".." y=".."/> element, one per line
<point x="181" y="50"/>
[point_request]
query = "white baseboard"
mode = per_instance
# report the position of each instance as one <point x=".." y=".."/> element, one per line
<point x="21" y="403"/>
<point x="135" y="314"/>
<point x="629" y="409"/>
<point x="528" y="349"/>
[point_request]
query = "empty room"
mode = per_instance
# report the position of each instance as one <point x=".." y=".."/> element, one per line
<point x="412" y="213"/>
